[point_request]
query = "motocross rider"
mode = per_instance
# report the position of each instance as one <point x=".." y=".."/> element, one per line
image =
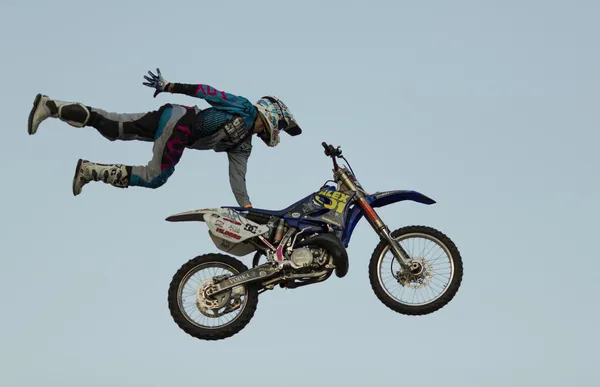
<point x="227" y="126"/>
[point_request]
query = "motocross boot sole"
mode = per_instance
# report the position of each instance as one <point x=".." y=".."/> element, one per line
<point x="75" y="193"/>
<point x="36" y="102"/>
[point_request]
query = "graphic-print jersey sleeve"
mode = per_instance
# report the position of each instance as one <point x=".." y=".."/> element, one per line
<point x="213" y="96"/>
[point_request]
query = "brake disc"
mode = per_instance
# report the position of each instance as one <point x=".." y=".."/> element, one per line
<point x="410" y="280"/>
<point x="208" y="303"/>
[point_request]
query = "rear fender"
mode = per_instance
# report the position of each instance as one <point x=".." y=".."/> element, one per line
<point x="191" y="216"/>
<point x="227" y="227"/>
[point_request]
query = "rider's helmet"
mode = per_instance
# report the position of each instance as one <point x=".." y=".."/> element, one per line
<point x="277" y="117"/>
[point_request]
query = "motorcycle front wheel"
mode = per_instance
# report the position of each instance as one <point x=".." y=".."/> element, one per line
<point x="207" y="317"/>
<point x="426" y="290"/>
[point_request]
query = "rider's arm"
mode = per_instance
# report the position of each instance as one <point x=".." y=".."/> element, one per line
<point x="238" y="162"/>
<point x="206" y="92"/>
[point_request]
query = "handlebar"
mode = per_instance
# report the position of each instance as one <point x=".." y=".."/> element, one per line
<point x="330" y="151"/>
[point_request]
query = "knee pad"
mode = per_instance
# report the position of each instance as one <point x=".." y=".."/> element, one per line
<point x="75" y="114"/>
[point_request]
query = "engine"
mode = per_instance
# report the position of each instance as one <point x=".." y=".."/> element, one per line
<point x="302" y="257"/>
<point x="305" y="257"/>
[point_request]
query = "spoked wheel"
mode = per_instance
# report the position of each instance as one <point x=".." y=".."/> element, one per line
<point x="434" y="279"/>
<point x="205" y="316"/>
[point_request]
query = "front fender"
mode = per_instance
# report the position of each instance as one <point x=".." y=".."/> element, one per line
<point x="380" y="199"/>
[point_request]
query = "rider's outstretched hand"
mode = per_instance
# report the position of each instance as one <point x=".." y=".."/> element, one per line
<point x="156" y="81"/>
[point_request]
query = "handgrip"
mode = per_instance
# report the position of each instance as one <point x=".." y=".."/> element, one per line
<point x="330" y="150"/>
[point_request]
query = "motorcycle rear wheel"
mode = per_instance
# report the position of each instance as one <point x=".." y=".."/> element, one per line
<point x="184" y="319"/>
<point x="406" y="280"/>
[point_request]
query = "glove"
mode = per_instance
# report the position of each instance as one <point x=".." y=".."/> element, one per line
<point x="157" y="82"/>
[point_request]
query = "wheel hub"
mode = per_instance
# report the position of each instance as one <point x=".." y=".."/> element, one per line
<point x="419" y="274"/>
<point x="416" y="268"/>
<point x="206" y="302"/>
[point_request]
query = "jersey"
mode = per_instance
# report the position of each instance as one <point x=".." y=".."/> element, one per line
<point x="208" y="134"/>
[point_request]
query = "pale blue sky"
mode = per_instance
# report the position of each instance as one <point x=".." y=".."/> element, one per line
<point x="489" y="107"/>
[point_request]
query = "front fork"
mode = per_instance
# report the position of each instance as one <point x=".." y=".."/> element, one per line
<point x="376" y="222"/>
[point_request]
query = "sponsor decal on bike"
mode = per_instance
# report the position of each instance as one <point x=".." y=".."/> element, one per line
<point x="225" y="244"/>
<point x="228" y="233"/>
<point x="385" y="193"/>
<point x="234" y="229"/>
<point x="251" y="228"/>
<point x="240" y="278"/>
<point x="307" y="207"/>
<point x="338" y="200"/>
<point x="232" y="221"/>
<point x="219" y="223"/>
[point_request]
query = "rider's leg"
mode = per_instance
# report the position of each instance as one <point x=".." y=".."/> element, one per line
<point x="113" y="126"/>
<point x="74" y="113"/>
<point x="172" y="134"/>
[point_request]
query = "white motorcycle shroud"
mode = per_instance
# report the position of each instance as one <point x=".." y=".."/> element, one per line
<point x="227" y="228"/>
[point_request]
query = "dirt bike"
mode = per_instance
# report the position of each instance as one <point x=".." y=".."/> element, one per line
<point x="304" y="244"/>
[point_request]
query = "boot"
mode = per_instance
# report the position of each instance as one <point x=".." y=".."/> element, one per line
<point x="117" y="175"/>
<point x="74" y="113"/>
